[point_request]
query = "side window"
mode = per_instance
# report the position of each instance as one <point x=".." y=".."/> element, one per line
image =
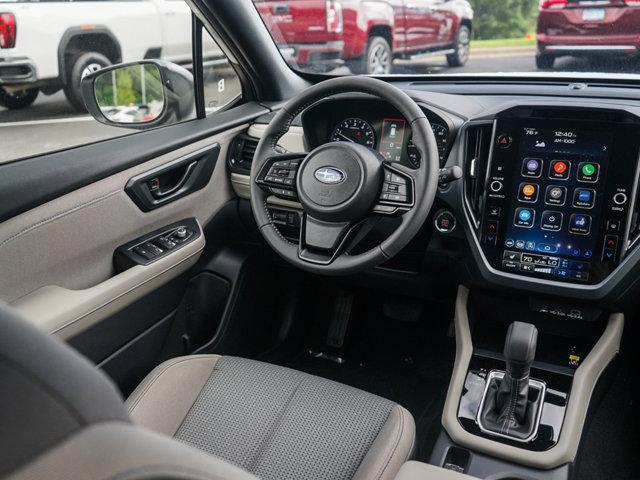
<point x="42" y="108"/>
<point x="221" y="83"/>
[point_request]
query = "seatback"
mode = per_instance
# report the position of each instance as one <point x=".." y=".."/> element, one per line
<point x="60" y="417"/>
<point x="48" y="392"/>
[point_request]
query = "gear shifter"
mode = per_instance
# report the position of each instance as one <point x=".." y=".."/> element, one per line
<point x="509" y="408"/>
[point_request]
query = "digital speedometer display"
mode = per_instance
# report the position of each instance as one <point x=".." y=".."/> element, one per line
<point x="354" y="130"/>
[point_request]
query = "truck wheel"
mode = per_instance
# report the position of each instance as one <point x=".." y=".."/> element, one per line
<point x="461" y="54"/>
<point x="544" y="61"/>
<point x="18" y="99"/>
<point x="377" y="58"/>
<point x="82" y="65"/>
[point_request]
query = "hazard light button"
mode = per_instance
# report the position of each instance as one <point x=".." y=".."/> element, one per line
<point x="504" y="141"/>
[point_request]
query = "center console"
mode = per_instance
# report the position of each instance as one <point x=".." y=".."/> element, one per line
<point x="522" y="387"/>
<point x="558" y="196"/>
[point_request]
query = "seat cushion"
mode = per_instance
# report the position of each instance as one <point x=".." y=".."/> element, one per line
<point x="274" y="422"/>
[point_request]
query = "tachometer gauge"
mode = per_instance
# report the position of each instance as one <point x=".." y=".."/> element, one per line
<point x="354" y="130"/>
<point x="442" y="141"/>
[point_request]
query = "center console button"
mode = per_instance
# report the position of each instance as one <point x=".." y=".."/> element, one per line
<point x="613" y="226"/>
<point x="504" y="141"/>
<point x="445" y="221"/>
<point x="611" y="241"/>
<point x="494" y="211"/>
<point x="496" y="186"/>
<point x="620" y="198"/>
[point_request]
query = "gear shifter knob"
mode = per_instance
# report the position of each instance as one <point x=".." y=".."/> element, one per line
<point x="520" y="349"/>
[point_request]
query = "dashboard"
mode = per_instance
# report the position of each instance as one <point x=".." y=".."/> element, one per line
<point x="548" y="201"/>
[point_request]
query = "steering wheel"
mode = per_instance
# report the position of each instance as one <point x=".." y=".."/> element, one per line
<point x="343" y="186"/>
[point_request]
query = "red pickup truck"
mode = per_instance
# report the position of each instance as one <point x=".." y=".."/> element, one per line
<point x="367" y="34"/>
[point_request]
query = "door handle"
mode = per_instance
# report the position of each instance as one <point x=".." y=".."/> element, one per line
<point x="165" y="191"/>
<point x="173" y="180"/>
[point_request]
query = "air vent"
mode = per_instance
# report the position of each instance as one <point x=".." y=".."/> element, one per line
<point x="241" y="153"/>
<point x="476" y="160"/>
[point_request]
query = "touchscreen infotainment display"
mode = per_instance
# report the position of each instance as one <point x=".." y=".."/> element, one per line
<point x="557" y="197"/>
<point x="558" y="193"/>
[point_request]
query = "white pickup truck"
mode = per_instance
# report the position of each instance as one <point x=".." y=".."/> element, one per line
<point x="49" y="45"/>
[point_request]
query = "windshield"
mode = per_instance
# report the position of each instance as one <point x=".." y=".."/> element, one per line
<point x="414" y="37"/>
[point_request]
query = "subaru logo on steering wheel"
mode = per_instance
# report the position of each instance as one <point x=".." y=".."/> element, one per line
<point x="330" y="175"/>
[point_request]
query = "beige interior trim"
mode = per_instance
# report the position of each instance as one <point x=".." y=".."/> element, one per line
<point x="64" y="313"/>
<point x="241" y="185"/>
<point x="423" y="471"/>
<point x="584" y="382"/>
<point x="293" y="140"/>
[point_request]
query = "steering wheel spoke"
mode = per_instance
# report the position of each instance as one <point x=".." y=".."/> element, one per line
<point x="278" y="175"/>
<point x="398" y="190"/>
<point x="321" y="242"/>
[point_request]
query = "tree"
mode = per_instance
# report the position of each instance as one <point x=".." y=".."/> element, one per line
<point x="503" y="18"/>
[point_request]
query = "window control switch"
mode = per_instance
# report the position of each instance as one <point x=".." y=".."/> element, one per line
<point x="154" y="249"/>
<point x="165" y="242"/>
<point x="143" y="252"/>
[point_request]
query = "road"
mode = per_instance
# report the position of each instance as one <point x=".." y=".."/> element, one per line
<point x="51" y="124"/>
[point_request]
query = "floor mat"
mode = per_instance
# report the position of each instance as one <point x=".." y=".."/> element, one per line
<point x="406" y="362"/>
<point x="612" y="439"/>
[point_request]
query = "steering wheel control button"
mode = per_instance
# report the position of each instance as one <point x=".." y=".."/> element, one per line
<point x="551" y="221"/>
<point x="524" y="217"/>
<point x="532" y="167"/>
<point x="584" y="198"/>
<point x="620" y="198"/>
<point x="559" y="169"/>
<point x="496" y="186"/>
<point x="445" y="221"/>
<point x="504" y="141"/>
<point x="555" y="195"/>
<point x="528" y="192"/>
<point x="588" y="172"/>
<point x="580" y="224"/>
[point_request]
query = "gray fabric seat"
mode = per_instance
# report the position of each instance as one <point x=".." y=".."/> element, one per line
<point x="274" y="422"/>
<point x="63" y="418"/>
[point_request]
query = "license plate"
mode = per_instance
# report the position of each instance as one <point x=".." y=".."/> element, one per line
<point x="593" y="14"/>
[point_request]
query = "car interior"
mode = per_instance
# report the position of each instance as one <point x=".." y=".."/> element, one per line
<point x="400" y="277"/>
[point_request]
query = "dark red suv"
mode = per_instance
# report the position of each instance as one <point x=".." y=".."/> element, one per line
<point x="587" y="28"/>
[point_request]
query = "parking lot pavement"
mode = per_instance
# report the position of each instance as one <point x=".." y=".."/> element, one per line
<point x="51" y="124"/>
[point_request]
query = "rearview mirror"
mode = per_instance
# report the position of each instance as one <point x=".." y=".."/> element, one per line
<point x="140" y="95"/>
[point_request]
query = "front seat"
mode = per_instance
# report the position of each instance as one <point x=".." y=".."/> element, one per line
<point x="60" y="417"/>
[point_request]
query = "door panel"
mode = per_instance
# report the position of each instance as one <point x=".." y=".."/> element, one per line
<point x="57" y="259"/>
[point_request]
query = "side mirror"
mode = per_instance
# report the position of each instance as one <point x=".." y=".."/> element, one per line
<point x="140" y="95"/>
